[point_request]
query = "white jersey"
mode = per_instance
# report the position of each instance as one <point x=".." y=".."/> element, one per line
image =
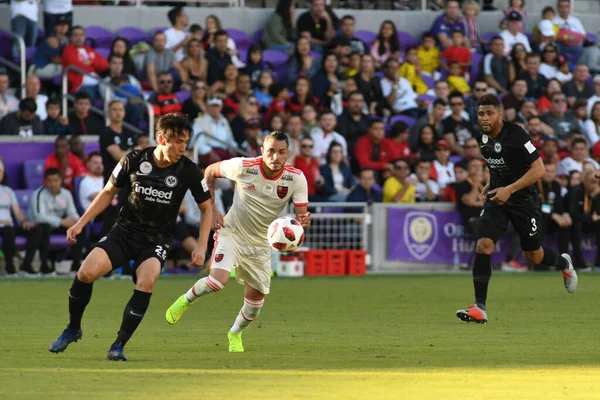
<point x="258" y="200"/>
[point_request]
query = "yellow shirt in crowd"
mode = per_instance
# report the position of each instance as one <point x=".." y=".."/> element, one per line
<point x="429" y="59"/>
<point x="459" y="83"/>
<point x="409" y="72"/>
<point x="393" y="186"/>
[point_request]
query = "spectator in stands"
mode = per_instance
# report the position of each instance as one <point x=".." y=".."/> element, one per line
<point x="214" y="148"/>
<point x="425" y="146"/>
<point x="9" y="207"/>
<point x="93" y="182"/>
<point x="545" y="33"/>
<point x="115" y="141"/>
<point x="549" y="65"/>
<point x="76" y="147"/>
<point x="53" y="208"/>
<point x="365" y="191"/>
<point x="442" y="169"/>
<point x="226" y="86"/>
<point x="23" y="122"/>
<point x="327" y="82"/>
<point x="23" y="23"/>
<point x="468" y="200"/>
<point x="368" y="84"/>
<point x="479" y="89"/>
<point x="400" y="96"/>
<point x="337" y="177"/>
<point x="194" y="64"/>
<point x="134" y="108"/>
<point x="411" y="69"/>
<point x="470" y="10"/>
<point x="165" y="101"/>
<point x="456" y="81"/>
<point x="579" y="88"/>
<point x="585" y="212"/>
<point x="513" y="32"/>
<point x="572" y="33"/>
<point x="516" y="8"/>
<point x="555" y="217"/>
<point x="591" y="56"/>
<point x="262" y="91"/>
<point x="535" y="129"/>
<point x="399" y="188"/>
<point x="518" y="62"/>
<point x="592" y="125"/>
<point x="159" y="59"/>
<point x="55" y="124"/>
<point x="69" y="166"/>
<point x="386" y="46"/>
<point x="579" y="155"/>
<point x="301" y="64"/>
<point x="218" y="58"/>
<point x="347" y="30"/>
<point x="399" y="133"/>
<point x="253" y="141"/>
<point x="85" y="58"/>
<point x="446" y="23"/>
<point x="8" y="102"/>
<point x="316" y="25"/>
<point x="248" y="110"/>
<point x="559" y="120"/>
<point x="231" y="104"/>
<point x="293" y="130"/>
<point x="456" y="128"/>
<point x="280" y="29"/>
<point x="309" y="165"/>
<point x="255" y="63"/>
<point x="324" y="135"/>
<point x="596" y="97"/>
<point x="303" y="95"/>
<point x="213" y="27"/>
<point x="176" y="35"/>
<point x="373" y="150"/>
<point x="457" y="52"/>
<point x="81" y="121"/>
<point x="279" y="97"/>
<point x="536" y="82"/>
<point x="47" y="63"/>
<point x="120" y="47"/>
<point x="426" y="189"/>
<point x="428" y="54"/>
<point x="512" y="101"/>
<point x="472" y="149"/>
<point x="495" y="66"/>
<point x="434" y="118"/>
<point x="32" y="90"/>
<point x="544" y="104"/>
<point x="550" y="150"/>
<point x="55" y="12"/>
<point x="353" y="123"/>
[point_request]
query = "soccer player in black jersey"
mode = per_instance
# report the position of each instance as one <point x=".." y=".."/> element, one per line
<point x="510" y="195"/>
<point x="156" y="180"/>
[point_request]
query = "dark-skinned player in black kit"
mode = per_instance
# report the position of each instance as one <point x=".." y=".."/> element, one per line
<point x="510" y="195"/>
<point x="156" y="180"/>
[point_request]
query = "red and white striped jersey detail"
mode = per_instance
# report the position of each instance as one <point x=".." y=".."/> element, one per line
<point x="300" y="204"/>
<point x="250" y="162"/>
<point x="292" y="170"/>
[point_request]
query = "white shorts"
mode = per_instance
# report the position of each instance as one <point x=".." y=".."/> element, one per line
<point x="252" y="263"/>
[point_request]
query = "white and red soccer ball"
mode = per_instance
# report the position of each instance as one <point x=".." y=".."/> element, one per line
<point x="285" y="234"/>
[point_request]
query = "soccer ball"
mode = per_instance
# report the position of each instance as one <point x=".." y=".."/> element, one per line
<point x="285" y="234"/>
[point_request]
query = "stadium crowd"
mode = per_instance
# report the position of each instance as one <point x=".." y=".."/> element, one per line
<point x="384" y="119"/>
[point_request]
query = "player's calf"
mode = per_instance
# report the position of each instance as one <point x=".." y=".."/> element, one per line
<point x="203" y="287"/>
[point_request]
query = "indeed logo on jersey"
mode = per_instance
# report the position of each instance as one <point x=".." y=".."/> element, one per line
<point x="154" y="195"/>
<point x="495" y="162"/>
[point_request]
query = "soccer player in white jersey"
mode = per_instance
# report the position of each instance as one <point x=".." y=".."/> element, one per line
<point x="263" y="187"/>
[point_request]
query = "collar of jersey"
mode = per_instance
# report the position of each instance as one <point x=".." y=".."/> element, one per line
<point x="262" y="171"/>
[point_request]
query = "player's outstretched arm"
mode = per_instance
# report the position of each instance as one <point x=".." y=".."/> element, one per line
<point x="205" y="226"/>
<point x="211" y="173"/>
<point x="98" y="205"/>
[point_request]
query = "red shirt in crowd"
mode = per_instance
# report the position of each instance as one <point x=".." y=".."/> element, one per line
<point x="165" y="103"/>
<point x="310" y="170"/>
<point x="84" y="58"/>
<point x="363" y="151"/>
<point x="292" y="105"/>
<point x="460" y="55"/>
<point x="231" y="106"/>
<point x="403" y="150"/>
<point x="74" y="168"/>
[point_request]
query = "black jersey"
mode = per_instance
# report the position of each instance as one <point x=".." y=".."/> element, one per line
<point x="509" y="156"/>
<point x="155" y="194"/>
<point x="125" y="141"/>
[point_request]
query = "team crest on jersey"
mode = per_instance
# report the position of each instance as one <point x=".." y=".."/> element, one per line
<point x="218" y="257"/>
<point x="171" y="181"/>
<point x="282" y="191"/>
<point x="497" y="147"/>
<point x="267" y="189"/>
<point x="145" y="167"/>
<point x="117" y="140"/>
<point x="484" y="138"/>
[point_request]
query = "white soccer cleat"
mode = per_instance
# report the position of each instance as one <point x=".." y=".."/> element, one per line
<point x="569" y="275"/>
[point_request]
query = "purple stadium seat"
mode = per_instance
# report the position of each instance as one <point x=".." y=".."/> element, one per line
<point x="317" y="56"/>
<point x="33" y="173"/>
<point x="410" y="121"/>
<point x="241" y="38"/>
<point x="487" y="36"/>
<point x="24" y="198"/>
<point x="257" y="36"/>
<point x="100" y="36"/>
<point x="276" y="60"/>
<point x="455" y="159"/>
<point x="379" y="75"/>
<point x="366" y="36"/>
<point x="243" y="54"/>
<point x="41" y="35"/>
<point x="475" y="65"/>
<point x="58" y="242"/>
<point x="133" y="34"/>
<point x="5" y="44"/>
<point x="429" y="81"/>
<point x="425" y="97"/>
<point x="183" y="95"/>
<point x="591" y="37"/>
<point x="103" y="51"/>
<point x="29" y="54"/>
<point x="157" y="29"/>
<point x="406" y="40"/>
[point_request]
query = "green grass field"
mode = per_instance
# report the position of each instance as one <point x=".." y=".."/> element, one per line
<point x="377" y="337"/>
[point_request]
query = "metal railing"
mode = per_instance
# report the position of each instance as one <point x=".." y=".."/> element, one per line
<point x="22" y="68"/>
<point x="108" y="88"/>
<point x="194" y="142"/>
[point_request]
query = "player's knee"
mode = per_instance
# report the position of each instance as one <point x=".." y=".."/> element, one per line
<point x="86" y="274"/>
<point x="534" y="257"/>
<point x="219" y="276"/>
<point x="145" y="281"/>
<point x="484" y="246"/>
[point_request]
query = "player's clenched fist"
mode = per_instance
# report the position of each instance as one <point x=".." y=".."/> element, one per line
<point x="73" y="232"/>
<point x="198" y="255"/>
<point x="304" y="219"/>
<point x="217" y="221"/>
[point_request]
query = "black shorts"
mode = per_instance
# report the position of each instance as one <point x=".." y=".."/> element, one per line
<point x="123" y="248"/>
<point x="525" y="215"/>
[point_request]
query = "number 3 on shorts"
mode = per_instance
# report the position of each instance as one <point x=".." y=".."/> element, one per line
<point x="533" y="226"/>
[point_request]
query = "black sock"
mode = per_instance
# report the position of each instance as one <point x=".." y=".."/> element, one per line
<point x="482" y="272"/>
<point x="132" y="316"/>
<point x="79" y="297"/>
<point x="553" y="259"/>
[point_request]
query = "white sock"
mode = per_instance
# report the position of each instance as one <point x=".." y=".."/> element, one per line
<point x="248" y="313"/>
<point x="203" y="286"/>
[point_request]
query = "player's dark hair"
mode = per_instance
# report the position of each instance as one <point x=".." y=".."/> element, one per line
<point x="489" y="100"/>
<point x="28" y="104"/>
<point x="174" y="13"/>
<point x="279" y="136"/>
<point x="51" y="171"/>
<point x="577" y="141"/>
<point x="173" y="125"/>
